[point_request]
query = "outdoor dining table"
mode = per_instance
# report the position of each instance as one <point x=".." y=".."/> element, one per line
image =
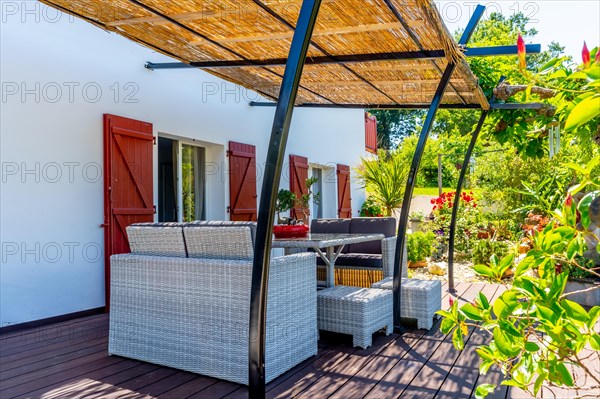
<point x="332" y="244"/>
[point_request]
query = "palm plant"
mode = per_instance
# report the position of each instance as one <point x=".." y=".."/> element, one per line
<point x="384" y="178"/>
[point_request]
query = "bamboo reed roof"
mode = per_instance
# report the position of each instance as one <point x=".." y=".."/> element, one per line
<point x="227" y="30"/>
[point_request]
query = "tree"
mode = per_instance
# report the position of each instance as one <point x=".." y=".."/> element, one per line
<point x="395" y="124"/>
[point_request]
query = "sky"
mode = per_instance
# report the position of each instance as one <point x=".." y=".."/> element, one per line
<point x="568" y="22"/>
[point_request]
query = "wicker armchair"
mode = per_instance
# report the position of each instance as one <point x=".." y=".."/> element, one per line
<point x="182" y="300"/>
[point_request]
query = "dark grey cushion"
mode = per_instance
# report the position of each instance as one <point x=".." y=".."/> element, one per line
<point x="330" y="226"/>
<point x="357" y="260"/>
<point x="385" y="226"/>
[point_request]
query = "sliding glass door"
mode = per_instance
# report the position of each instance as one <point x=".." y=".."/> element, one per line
<point x="181" y="181"/>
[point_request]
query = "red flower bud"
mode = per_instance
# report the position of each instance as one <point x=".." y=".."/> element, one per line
<point x="569" y="200"/>
<point x="597" y="59"/>
<point x="451" y="300"/>
<point x="521" y="52"/>
<point x="585" y="54"/>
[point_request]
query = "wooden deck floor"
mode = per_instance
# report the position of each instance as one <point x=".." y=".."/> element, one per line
<point x="69" y="360"/>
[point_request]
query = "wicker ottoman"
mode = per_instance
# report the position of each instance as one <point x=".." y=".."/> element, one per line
<point x="356" y="311"/>
<point x="420" y="299"/>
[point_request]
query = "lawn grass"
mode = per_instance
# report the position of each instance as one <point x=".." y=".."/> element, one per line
<point x="434" y="191"/>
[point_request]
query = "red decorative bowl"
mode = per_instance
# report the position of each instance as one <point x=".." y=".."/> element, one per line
<point x="290" y="231"/>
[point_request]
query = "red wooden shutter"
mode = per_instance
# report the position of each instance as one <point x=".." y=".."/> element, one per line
<point x="343" y="186"/>
<point x="242" y="182"/>
<point x="370" y="133"/>
<point x="298" y="176"/>
<point x="128" y="183"/>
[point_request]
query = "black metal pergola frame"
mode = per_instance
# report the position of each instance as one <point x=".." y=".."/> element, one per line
<point x="348" y="59"/>
<point x="285" y="105"/>
<point x="270" y="186"/>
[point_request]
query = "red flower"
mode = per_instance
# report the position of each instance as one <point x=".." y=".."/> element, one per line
<point x="474" y="205"/>
<point x="521" y="52"/>
<point x="432" y="201"/>
<point x="585" y="55"/>
<point x="451" y="300"/>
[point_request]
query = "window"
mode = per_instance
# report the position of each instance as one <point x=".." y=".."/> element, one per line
<point x="317" y="188"/>
<point x="192" y="182"/>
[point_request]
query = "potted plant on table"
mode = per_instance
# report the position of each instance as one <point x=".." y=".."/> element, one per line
<point x="418" y="248"/>
<point x="285" y="201"/>
<point x="290" y="227"/>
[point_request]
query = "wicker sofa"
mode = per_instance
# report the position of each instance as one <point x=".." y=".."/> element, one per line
<point x="362" y="264"/>
<point x="182" y="298"/>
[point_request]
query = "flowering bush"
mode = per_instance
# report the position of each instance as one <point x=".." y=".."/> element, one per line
<point x="371" y="208"/>
<point x="445" y="202"/>
<point x="467" y="218"/>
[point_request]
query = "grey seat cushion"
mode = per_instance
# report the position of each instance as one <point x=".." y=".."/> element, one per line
<point x="357" y="260"/>
<point x="156" y="239"/>
<point x="385" y="226"/>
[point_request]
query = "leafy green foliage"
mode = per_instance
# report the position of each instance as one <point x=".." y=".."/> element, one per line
<point x="384" y="178"/>
<point x="485" y="248"/>
<point x="285" y="201"/>
<point x="419" y="245"/>
<point x="544" y="197"/>
<point x="576" y="101"/>
<point x="536" y="329"/>
<point x="393" y="125"/>
<point x="495" y="268"/>
<point x="514" y="186"/>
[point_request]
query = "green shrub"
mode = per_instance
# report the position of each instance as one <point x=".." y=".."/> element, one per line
<point x="419" y="245"/>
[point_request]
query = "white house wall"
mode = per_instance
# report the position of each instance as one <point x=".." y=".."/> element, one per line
<point x="59" y="76"/>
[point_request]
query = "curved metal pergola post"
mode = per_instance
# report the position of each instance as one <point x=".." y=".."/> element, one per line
<point x="416" y="161"/>
<point x="410" y="185"/>
<point x="270" y="186"/>
<point x="456" y="203"/>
